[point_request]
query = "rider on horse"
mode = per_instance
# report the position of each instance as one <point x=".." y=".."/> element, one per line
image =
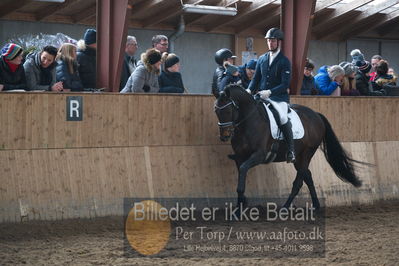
<point x="221" y="56"/>
<point x="271" y="80"/>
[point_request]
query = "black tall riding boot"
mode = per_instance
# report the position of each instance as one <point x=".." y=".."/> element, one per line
<point x="287" y="132"/>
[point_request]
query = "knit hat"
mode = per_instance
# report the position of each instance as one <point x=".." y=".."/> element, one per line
<point x="231" y="69"/>
<point x="153" y="56"/>
<point x="335" y="71"/>
<point x="251" y="64"/>
<point x="171" y="61"/>
<point x="357" y="56"/>
<point x="349" y="68"/>
<point x="11" y="50"/>
<point x="365" y="67"/>
<point x="90" y="36"/>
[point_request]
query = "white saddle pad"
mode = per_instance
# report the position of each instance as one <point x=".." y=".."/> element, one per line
<point x="297" y="127"/>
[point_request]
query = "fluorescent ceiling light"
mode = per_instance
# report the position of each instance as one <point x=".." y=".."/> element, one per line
<point x="213" y="10"/>
<point x="52" y="1"/>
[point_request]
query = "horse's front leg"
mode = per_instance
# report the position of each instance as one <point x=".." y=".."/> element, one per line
<point x="255" y="159"/>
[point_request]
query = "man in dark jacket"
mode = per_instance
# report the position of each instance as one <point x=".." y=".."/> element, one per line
<point x="12" y="74"/>
<point x="129" y="62"/>
<point x="221" y="56"/>
<point x="40" y="70"/>
<point x="247" y="72"/>
<point x="87" y="59"/>
<point x="272" y="80"/>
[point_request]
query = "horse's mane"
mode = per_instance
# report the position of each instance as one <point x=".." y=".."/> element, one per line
<point x="238" y="92"/>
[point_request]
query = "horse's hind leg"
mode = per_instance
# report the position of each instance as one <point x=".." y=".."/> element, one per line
<point x="309" y="182"/>
<point x="255" y="159"/>
<point x="303" y="174"/>
<point x="296" y="186"/>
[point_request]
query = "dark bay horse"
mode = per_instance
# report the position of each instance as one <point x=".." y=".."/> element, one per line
<point x="244" y="120"/>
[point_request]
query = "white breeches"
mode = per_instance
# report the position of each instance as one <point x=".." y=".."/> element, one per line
<point x="282" y="109"/>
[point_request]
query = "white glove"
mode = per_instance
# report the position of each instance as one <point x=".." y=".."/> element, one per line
<point x="265" y="94"/>
<point x="249" y="91"/>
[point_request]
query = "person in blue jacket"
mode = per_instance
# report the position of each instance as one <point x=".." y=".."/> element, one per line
<point x="328" y="79"/>
<point x="272" y="80"/>
<point x="247" y="72"/>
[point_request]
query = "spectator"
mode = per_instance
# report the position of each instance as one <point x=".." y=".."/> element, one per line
<point x="170" y="80"/>
<point x="129" y="62"/>
<point x="247" y="72"/>
<point x="160" y="42"/>
<point x="348" y="87"/>
<point x="12" y="74"/>
<point x="221" y="56"/>
<point x="374" y="61"/>
<point x="363" y="80"/>
<point x="362" y="76"/>
<point x="145" y="76"/>
<point x="328" y="80"/>
<point x="383" y="78"/>
<point x="308" y="83"/>
<point x="231" y="75"/>
<point x="40" y="70"/>
<point x="67" y="68"/>
<point x="87" y="59"/>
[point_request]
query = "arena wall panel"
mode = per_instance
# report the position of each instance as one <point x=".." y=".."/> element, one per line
<point x="167" y="146"/>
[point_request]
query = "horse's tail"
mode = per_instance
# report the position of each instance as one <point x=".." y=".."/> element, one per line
<point x="336" y="156"/>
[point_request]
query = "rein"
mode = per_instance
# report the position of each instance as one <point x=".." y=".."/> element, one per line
<point x="233" y="123"/>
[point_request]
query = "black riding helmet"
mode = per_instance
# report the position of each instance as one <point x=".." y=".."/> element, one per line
<point x="223" y="54"/>
<point x="274" y="33"/>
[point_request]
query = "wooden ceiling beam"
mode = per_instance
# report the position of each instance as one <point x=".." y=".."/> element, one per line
<point x="147" y="5"/>
<point x="378" y="22"/>
<point x="261" y="22"/>
<point x="360" y="18"/>
<point x="242" y="13"/>
<point x="338" y="13"/>
<point x="31" y="17"/>
<point x="320" y="6"/>
<point x="12" y="6"/>
<point x="51" y="10"/>
<point x="85" y="14"/>
<point x="386" y="25"/>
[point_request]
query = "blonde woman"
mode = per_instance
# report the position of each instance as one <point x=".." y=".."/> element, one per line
<point x="170" y="80"/>
<point x="348" y="86"/>
<point x="145" y="77"/>
<point x="67" y="68"/>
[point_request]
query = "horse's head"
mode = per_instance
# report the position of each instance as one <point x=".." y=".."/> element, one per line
<point x="226" y="110"/>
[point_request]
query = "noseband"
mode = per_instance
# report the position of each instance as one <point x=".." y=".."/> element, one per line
<point x="231" y="123"/>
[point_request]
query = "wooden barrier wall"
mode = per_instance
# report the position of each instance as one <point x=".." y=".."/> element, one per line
<point x="166" y="146"/>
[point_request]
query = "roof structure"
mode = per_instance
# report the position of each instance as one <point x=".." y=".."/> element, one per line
<point x="333" y="19"/>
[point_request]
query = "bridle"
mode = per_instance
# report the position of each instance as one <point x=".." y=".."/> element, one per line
<point x="232" y="123"/>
